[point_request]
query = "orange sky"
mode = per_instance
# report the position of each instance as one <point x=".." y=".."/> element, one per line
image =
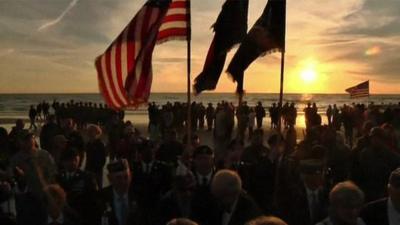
<point x="50" y="46"/>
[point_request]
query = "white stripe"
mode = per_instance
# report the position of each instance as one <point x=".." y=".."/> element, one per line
<point x="124" y="55"/>
<point x="172" y="25"/>
<point x="114" y="74"/>
<point x="107" y="82"/>
<point x="176" y="11"/>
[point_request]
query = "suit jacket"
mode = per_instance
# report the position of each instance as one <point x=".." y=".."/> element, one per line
<point x="203" y="202"/>
<point x="297" y="210"/>
<point x="246" y="209"/>
<point x="134" y="214"/>
<point x="81" y="189"/>
<point x="376" y="213"/>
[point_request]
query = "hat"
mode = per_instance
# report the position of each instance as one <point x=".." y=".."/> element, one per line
<point x="118" y="166"/>
<point x="202" y="150"/>
<point x="394" y="179"/>
<point x="311" y="166"/>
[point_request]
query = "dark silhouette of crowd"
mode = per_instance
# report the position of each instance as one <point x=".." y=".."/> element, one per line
<point x="250" y="177"/>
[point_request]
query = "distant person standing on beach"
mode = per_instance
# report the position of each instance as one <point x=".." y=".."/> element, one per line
<point x="210" y="115"/>
<point x="260" y="114"/>
<point x="329" y="114"/>
<point x="32" y="117"/>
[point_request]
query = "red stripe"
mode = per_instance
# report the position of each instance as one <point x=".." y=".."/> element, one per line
<point x="109" y="75"/>
<point x="172" y="32"/>
<point x="102" y="85"/>
<point x="175" y="17"/>
<point x="178" y="4"/>
<point x="146" y="51"/>
<point x="118" y="68"/>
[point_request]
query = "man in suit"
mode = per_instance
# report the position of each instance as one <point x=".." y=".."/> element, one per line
<point x="152" y="178"/>
<point x="80" y="186"/>
<point x="203" y="172"/>
<point x="385" y="211"/>
<point x="118" y="197"/>
<point x="235" y="206"/>
<point x="258" y="172"/>
<point x="306" y="200"/>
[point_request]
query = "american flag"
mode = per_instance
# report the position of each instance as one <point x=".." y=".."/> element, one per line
<point x="125" y="69"/>
<point x="360" y="90"/>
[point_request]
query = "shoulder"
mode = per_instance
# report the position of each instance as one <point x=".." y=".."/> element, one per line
<point x="375" y="206"/>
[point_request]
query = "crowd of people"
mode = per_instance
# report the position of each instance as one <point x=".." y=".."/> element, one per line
<point x="254" y="179"/>
<point x="82" y="113"/>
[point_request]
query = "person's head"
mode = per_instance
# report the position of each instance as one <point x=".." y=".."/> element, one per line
<point x="56" y="199"/>
<point x="203" y="159"/>
<point x="147" y="151"/>
<point x="367" y="126"/>
<point x="28" y="142"/>
<point x="346" y="200"/>
<point x="119" y="175"/>
<point x="276" y="141"/>
<point x="226" y="187"/>
<point x="311" y="171"/>
<point x="266" y="220"/>
<point x="94" y="131"/>
<point x="59" y="142"/>
<point x="181" y="221"/>
<point x="394" y="187"/>
<point x="258" y="137"/>
<point x="69" y="124"/>
<point x="377" y="137"/>
<point x="19" y="124"/>
<point x="70" y="159"/>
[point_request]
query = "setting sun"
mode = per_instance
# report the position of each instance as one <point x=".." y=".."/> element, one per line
<point x="308" y="75"/>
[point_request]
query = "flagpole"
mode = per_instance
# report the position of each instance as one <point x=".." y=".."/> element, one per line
<point x="280" y="105"/>
<point x="189" y="108"/>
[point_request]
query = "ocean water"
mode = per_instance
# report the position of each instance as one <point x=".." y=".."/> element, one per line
<point x="14" y="106"/>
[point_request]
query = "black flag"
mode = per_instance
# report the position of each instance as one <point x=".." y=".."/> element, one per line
<point x="266" y="36"/>
<point x="230" y="29"/>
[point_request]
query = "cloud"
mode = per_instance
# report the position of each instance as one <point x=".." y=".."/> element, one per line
<point x="59" y="18"/>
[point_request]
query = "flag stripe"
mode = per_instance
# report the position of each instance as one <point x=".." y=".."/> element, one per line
<point x="112" y="84"/>
<point x="108" y="83"/>
<point x="173" y="25"/>
<point x="175" y="17"/>
<point x="124" y="69"/>
<point x="102" y="85"/>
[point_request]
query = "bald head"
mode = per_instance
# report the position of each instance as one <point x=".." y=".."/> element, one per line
<point x="226" y="186"/>
<point x="346" y="194"/>
<point x="266" y="220"/>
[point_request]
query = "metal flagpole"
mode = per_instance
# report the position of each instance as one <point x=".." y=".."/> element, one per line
<point x="189" y="108"/>
<point x="282" y="72"/>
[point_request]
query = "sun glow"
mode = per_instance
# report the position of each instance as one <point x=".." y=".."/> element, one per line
<point x="308" y="73"/>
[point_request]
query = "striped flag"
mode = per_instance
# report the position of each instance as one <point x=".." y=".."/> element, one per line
<point x="125" y="68"/>
<point x="176" y="24"/>
<point x="360" y="90"/>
